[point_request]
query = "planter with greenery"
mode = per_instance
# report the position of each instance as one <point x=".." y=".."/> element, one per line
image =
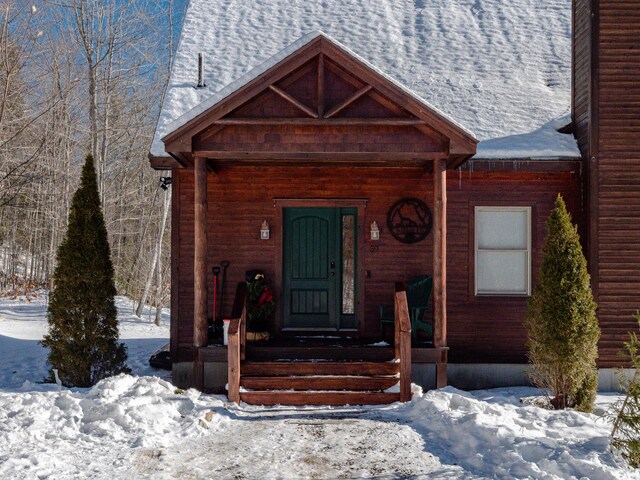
<point x="261" y="307"/>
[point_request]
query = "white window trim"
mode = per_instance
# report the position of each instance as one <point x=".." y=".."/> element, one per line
<point x="527" y="252"/>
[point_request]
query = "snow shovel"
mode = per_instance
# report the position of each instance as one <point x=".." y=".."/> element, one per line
<point x="224" y="264"/>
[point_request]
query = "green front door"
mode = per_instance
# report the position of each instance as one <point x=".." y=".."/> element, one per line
<point x="313" y="268"/>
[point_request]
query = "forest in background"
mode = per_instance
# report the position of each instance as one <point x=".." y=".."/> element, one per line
<point x="79" y="77"/>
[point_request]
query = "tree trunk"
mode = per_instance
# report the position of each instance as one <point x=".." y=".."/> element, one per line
<point x="156" y="255"/>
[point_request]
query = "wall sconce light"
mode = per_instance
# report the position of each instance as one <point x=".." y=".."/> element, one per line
<point x="165" y="182"/>
<point x="264" y="231"/>
<point x="375" y="231"/>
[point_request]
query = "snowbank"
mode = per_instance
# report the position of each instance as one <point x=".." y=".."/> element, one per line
<point x="132" y="427"/>
<point x="502" y="438"/>
<point x="88" y="432"/>
<point x="128" y="427"/>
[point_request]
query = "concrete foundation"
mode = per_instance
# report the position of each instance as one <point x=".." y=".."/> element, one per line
<point x="460" y="375"/>
<point x="609" y="378"/>
<point x="424" y="374"/>
<point x="476" y="376"/>
<point x="215" y="376"/>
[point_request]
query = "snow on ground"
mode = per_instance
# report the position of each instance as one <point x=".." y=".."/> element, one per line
<point x="23" y="323"/>
<point x="143" y="427"/>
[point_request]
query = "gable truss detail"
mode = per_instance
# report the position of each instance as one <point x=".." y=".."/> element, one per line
<point x="318" y="114"/>
<point x="320" y="104"/>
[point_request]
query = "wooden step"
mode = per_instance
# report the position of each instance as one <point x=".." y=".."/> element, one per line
<point x="318" y="398"/>
<point x="319" y="368"/>
<point x="357" y="353"/>
<point x="356" y="383"/>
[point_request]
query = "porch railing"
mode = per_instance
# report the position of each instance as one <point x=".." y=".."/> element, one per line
<point x="403" y="340"/>
<point x="237" y="340"/>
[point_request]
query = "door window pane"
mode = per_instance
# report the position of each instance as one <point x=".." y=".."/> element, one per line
<point x="348" y="264"/>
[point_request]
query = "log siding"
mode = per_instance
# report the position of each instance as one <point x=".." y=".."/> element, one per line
<point x="479" y="329"/>
<point x="617" y="102"/>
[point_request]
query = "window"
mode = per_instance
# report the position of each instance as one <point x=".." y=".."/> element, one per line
<point x="503" y="250"/>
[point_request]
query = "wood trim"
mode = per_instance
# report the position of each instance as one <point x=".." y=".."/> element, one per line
<point x="293" y="101"/>
<point x="430" y="355"/>
<point x="200" y="254"/>
<point x="573" y="63"/>
<point x="250" y="90"/>
<point x="341" y="106"/>
<point x="315" y="382"/>
<point x="341" y="121"/>
<point x="175" y="265"/>
<point x="206" y="134"/>
<point x="441" y="375"/>
<point x="321" y="368"/>
<point x="233" y="361"/>
<point x="347" y="157"/>
<point x="388" y="104"/>
<point x="499" y="201"/>
<point x="521" y="165"/>
<point x="321" y="86"/>
<point x="398" y="95"/>
<point x="163" y="163"/>
<point x="403" y="340"/>
<point x="218" y="353"/>
<point x="440" y="254"/>
<point x="360" y="204"/>
<point x="318" y="398"/>
<point x="278" y="255"/>
<point x="463" y="143"/>
<point x="320" y="202"/>
<point x="593" y="176"/>
<point x="198" y="371"/>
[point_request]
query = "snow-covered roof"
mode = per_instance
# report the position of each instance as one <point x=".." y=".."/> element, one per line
<point x="501" y="69"/>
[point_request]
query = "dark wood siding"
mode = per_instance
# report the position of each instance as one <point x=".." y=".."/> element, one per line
<point x="491" y="329"/>
<point x="618" y="214"/>
<point x="581" y="71"/>
<point x="240" y="198"/>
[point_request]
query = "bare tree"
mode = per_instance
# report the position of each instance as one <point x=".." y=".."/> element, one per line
<point x="79" y="76"/>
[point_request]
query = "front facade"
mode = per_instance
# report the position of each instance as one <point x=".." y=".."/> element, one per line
<point x="317" y="148"/>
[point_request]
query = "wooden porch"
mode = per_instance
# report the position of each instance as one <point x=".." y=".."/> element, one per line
<point x="323" y="371"/>
<point x="319" y="108"/>
<point x="312" y="370"/>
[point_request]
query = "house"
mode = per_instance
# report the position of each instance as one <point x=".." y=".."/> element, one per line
<point x="451" y="127"/>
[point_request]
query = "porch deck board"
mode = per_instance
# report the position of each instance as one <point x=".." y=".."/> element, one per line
<point x="287" y="350"/>
<point x="320" y="368"/>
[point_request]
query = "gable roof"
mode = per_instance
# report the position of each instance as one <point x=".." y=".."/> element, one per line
<point x="460" y="143"/>
<point x="499" y="68"/>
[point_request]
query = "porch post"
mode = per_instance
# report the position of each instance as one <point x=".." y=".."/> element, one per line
<point x="200" y="267"/>
<point x="440" y="268"/>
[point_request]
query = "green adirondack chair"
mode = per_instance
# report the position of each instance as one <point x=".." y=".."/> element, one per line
<point x="418" y="294"/>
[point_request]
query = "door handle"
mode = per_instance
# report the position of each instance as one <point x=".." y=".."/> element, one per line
<point x="332" y="265"/>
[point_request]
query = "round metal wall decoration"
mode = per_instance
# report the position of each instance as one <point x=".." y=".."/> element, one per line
<point x="409" y="220"/>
